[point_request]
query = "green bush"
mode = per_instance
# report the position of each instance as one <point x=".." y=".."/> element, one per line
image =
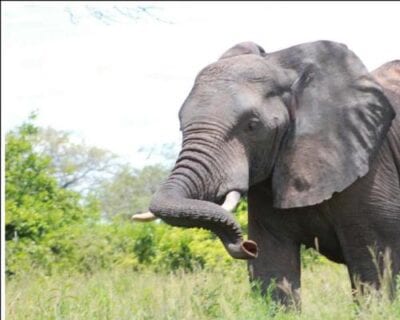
<point x="38" y="211"/>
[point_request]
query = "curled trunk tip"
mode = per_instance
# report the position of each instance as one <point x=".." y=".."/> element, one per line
<point x="247" y="249"/>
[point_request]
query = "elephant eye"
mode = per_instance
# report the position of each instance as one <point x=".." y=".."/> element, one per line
<point x="253" y="124"/>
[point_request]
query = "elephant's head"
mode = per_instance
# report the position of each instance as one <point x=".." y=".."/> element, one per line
<point x="309" y="117"/>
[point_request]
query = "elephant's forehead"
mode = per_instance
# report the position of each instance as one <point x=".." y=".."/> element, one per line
<point x="244" y="67"/>
<point x="228" y="87"/>
<point x="221" y="98"/>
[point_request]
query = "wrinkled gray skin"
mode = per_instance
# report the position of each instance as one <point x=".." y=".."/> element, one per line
<point x="311" y="137"/>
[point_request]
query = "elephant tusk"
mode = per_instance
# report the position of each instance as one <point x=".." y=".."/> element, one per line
<point x="144" y="217"/>
<point x="231" y="201"/>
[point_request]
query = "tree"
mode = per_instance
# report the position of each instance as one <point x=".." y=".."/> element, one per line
<point x="76" y="165"/>
<point x="36" y="206"/>
<point x="130" y="190"/>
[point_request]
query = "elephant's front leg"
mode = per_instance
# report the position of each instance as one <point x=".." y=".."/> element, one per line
<point x="278" y="262"/>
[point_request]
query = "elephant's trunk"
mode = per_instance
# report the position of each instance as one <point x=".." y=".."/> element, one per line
<point x="173" y="205"/>
<point x="187" y="198"/>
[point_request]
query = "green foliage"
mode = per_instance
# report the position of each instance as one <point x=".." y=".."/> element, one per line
<point x="37" y="209"/>
<point x="310" y="257"/>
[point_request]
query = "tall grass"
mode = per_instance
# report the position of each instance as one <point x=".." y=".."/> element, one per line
<point x="123" y="294"/>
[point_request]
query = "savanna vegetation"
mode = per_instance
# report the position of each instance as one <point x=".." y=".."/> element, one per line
<point x="73" y="253"/>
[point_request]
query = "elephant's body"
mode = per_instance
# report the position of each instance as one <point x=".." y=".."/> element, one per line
<point x="314" y="140"/>
<point x="348" y="228"/>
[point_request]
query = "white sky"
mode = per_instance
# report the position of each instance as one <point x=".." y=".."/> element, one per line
<point x="119" y="82"/>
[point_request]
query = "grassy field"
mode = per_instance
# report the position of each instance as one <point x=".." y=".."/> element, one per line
<point x="200" y="295"/>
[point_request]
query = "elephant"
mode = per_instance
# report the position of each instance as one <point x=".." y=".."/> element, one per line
<point x="311" y="137"/>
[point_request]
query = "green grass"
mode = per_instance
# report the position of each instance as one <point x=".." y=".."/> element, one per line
<point x="122" y="294"/>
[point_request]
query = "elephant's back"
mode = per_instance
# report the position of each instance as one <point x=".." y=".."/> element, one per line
<point x="388" y="76"/>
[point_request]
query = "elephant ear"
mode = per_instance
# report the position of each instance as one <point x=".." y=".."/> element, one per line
<point x="340" y="118"/>
<point x="244" y="48"/>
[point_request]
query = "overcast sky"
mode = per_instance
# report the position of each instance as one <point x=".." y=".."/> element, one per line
<point x="117" y="73"/>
